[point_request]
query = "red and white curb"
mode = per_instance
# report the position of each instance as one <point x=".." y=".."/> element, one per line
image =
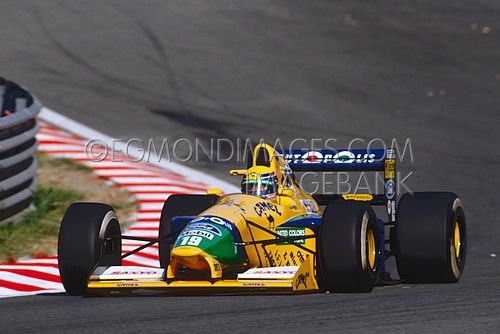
<point x="150" y="184"/>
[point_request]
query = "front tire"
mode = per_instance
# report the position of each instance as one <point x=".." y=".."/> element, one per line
<point x="431" y="241"/>
<point x="89" y="234"/>
<point x="178" y="205"/>
<point x="349" y="247"/>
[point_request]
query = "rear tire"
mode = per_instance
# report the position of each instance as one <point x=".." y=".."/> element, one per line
<point x="89" y="234"/>
<point x="431" y="239"/>
<point x="348" y="247"/>
<point x="179" y="205"/>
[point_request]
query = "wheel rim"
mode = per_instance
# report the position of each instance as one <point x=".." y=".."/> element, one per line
<point x="112" y="242"/>
<point x="371" y="249"/>
<point x="457" y="239"/>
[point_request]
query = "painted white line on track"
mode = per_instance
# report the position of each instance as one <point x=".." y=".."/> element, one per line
<point x="161" y="197"/>
<point x="146" y="225"/>
<point x="48" y="270"/>
<point x="143" y="233"/>
<point x="152" y="206"/>
<point x="43" y="137"/>
<point x="111" y="164"/>
<point x="136" y="243"/>
<point x="61" y="147"/>
<point x="149" y="215"/>
<point x="142" y="261"/>
<point x="162" y="189"/>
<point x="6" y="292"/>
<point x="49" y="260"/>
<point x="21" y="279"/>
<point x="150" y="251"/>
<point x="120" y="172"/>
<point x="155" y="180"/>
<point x="76" y="156"/>
<point x="23" y="294"/>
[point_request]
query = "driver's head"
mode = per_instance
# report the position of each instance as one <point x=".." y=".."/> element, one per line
<point x="260" y="181"/>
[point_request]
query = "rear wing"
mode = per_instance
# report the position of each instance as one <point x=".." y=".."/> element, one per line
<point x="350" y="160"/>
<point x="331" y="160"/>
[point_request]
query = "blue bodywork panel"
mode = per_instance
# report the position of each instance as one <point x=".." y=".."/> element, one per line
<point x="311" y="222"/>
<point x="179" y="222"/>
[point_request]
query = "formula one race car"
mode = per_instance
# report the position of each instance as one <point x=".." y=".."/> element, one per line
<point x="273" y="236"/>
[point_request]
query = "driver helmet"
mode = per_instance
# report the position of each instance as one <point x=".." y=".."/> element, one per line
<point x="260" y="181"/>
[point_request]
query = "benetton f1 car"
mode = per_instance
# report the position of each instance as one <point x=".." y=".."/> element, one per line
<point x="273" y="236"/>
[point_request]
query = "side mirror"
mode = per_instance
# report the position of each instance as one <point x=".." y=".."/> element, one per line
<point x="238" y="172"/>
<point x="214" y="191"/>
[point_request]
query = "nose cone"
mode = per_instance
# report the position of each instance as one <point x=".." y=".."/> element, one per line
<point x="191" y="257"/>
<point x="210" y="235"/>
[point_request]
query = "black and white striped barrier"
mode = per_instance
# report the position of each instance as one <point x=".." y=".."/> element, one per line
<point x="18" y="163"/>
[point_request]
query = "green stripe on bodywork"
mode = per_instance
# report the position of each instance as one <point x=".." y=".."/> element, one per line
<point x="221" y="247"/>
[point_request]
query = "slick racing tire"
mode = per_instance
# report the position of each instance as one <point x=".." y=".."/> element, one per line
<point x="349" y="247"/>
<point x="431" y="238"/>
<point x="89" y="235"/>
<point x="178" y="205"/>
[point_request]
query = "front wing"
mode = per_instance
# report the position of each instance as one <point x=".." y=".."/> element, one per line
<point x="273" y="279"/>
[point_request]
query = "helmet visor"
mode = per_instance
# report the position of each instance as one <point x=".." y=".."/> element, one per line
<point x="259" y="185"/>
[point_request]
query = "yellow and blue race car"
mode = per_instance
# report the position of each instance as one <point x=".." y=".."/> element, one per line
<point x="273" y="236"/>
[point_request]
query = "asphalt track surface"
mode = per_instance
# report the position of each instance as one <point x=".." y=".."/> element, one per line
<point x="425" y="70"/>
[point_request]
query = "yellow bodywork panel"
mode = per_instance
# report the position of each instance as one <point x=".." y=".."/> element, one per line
<point x="194" y="258"/>
<point x="269" y="215"/>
